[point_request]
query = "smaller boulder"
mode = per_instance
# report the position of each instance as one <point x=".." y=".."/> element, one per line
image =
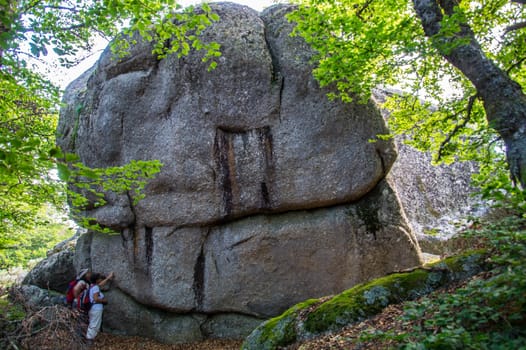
<point x="54" y="272"/>
<point x="38" y="297"/>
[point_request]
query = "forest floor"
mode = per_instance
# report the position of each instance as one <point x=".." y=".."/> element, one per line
<point x="106" y="341"/>
<point x="342" y="340"/>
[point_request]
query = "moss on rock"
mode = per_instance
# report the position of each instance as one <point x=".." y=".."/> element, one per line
<point x="278" y="331"/>
<point x="307" y="319"/>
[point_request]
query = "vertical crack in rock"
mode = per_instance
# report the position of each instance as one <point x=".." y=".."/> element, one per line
<point x="276" y="68"/>
<point x="126" y="234"/>
<point x="281" y="90"/>
<point x="131" y="230"/>
<point x="265" y="195"/>
<point x="148" y="243"/>
<point x="266" y="146"/>
<point x="165" y="115"/>
<point x="224" y="178"/>
<point x="199" y="275"/>
<point x="382" y="161"/>
<point x="135" y="244"/>
<point x="232" y="172"/>
<point x="128" y="242"/>
<point x="276" y="76"/>
<point x="368" y="211"/>
<point x="121" y="125"/>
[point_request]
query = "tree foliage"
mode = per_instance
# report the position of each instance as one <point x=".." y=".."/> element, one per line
<point x="27" y="126"/>
<point x="465" y="58"/>
<point x="29" y="31"/>
<point x="90" y="186"/>
<point x="23" y="245"/>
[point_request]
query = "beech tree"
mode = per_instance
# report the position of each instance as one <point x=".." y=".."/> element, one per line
<point x="466" y="58"/>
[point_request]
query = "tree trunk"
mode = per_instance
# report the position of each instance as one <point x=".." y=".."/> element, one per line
<point x="6" y="17"/>
<point x="504" y="101"/>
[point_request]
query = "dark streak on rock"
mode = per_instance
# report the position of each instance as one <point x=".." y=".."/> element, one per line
<point x="221" y="153"/>
<point x="199" y="279"/>
<point x="148" y="242"/>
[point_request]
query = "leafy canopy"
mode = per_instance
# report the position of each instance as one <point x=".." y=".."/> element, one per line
<point x="365" y="44"/>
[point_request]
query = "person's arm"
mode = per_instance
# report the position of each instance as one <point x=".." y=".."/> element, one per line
<point x="98" y="300"/>
<point x="109" y="278"/>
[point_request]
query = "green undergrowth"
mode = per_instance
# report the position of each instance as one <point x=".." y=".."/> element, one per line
<point x="314" y="317"/>
<point x="486" y="313"/>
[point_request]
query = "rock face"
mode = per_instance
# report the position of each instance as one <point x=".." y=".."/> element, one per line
<point x="270" y="193"/>
<point x="40" y="297"/>
<point x="53" y="272"/>
<point x="434" y="197"/>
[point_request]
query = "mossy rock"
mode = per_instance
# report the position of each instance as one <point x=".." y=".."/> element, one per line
<point x="278" y="331"/>
<point x="307" y="319"/>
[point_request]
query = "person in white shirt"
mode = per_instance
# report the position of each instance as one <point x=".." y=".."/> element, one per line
<point x="98" y="300"/>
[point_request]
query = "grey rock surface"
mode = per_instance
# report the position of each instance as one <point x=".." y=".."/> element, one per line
<point x="270" y="193"/>
<point x="39" y="297"/>
<point x="255" y="134"/>
<point x="53" y="273"/>
<point x="260" y="265"/>
<point x="168" y="327"/>
<point x="436" y="199"/>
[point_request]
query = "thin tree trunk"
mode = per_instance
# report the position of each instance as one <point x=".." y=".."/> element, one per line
<point x="6" y="14"/>
<point x="504" y="101"/>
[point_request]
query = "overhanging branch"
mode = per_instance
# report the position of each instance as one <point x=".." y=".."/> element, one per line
<point x="459" y="126"/>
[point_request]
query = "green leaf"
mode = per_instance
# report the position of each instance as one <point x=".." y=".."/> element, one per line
<point x="63" y="172"/>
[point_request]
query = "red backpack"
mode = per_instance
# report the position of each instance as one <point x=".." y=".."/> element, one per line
<point x="69" y="291"/>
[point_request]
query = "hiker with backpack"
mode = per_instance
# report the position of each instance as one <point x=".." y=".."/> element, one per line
<point x="77" y="292"/>
<point x="81" y="286"/>
<point x="97" y="300"/>
<point x="75" y="288"/>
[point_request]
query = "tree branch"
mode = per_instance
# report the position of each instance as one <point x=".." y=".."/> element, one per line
<point x="469" y="58"/>
<point x="515" y="26"/>
<point x="360" y="10"/>
<point x="515" y="65"/>
<point x="62" y="8"/>
<point x="459" y="126"/>
<point x="31" y="5"/>
<point x="503" y="98"/>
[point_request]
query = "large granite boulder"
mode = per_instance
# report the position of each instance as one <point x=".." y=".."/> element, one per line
<point x="270" y="193"/>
